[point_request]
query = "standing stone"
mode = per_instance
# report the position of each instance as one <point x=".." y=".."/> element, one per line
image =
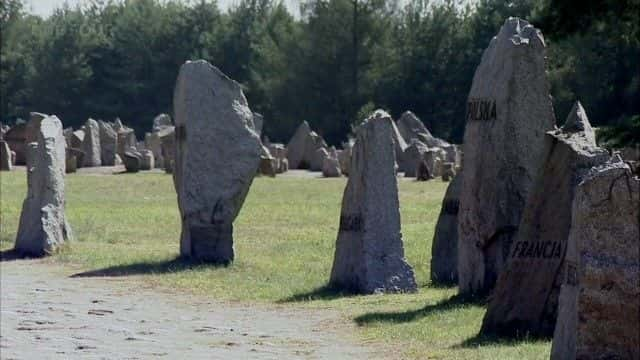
<point x="412" y="157"/>
<point x="77" y="138"/>
<point x="108" y="144"/>
<point x="146" y="160"/>
<point x="599" y="305"/>
<point x="33" y="127"/>
<point x="331" y="167"/>
<point x="344" y="157"/>
<point x="400" y="144"/>
<point x="369" y="255"/>
<point x="279" y="152"/>
<point x="15" y="138"/>
<point x="411" y="128"/>
<point x="71" y="162"/>
<point x="132" y="161"/>
<point x="434" y="157"/>
<point x="91" y="144"/>
<point x="448" y="171"/>
<point x="508" y="112"/>
<point x="168" y="148"/>
<point x="444" y="248"/>
<point x="43" y="227"/>
<point x="317" y="160"/>
<point x="258" y="122"/>
<point x="217" y="156"/>
<point x="423" y="173"/>
<point x="268" y="164"/>
<point x="126" y="140"/>
<point x="160" y="122"/>
<point x="525" y="299"/>
<point x="5" y="156"/>
<point x="296" y="147"/>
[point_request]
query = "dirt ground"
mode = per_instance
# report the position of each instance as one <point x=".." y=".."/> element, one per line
<point x="47" y="314"/>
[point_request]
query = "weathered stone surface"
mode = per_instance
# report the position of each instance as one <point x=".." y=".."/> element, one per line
<point x="279" y="152"/>
<point x="444" y="248"/>
<point x="217" y="157"/>
<point x="331" y="167"/>
<point x="448" y="171"/>
<point x="411" y="128"/>
<point x="258" y="122"/>
<point x="152" y="142"/>
<point x="160" y="122"/>
<point x="91" y="144"/>
<point x="434" y="158"/>
<point x="5" y="156"/>
<point x="77" y="138"/>
<point x="344" y="157"/>
<point x="509" y="110"/>
<point x="132" y="160"/>
<point x="108" y="144"/>
<point x="126" y="140"/>
<point x="369" y="255"/>
<point x="599" y="303"/>
<point x="302" y="147"/>
<point x="33" y="127"/>
<point x="317" y="160"/>
<point x="268" y="164"/>
<point x="168" y="147"/>
<point x="15" y="138"/>
<point x="43" y="227"/>
<point x="525" y="299"/>
<point x="146" y="160"/>
<point x="412" y="156"/>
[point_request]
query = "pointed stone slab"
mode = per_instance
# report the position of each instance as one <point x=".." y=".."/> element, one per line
<point x="444" y="249"/>
<point x="217" y="157"/>
<point x="525" y="299"/>
<point x="509" y="111"/>
<point x="369" y="255"/>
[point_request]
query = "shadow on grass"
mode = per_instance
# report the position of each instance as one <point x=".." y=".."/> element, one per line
<point x="12" y="255"/>
<point x="325" y="292"/>
<point x="456" y="301"/>
<point x="493" y="340"/>
<point x="149" y="267"/>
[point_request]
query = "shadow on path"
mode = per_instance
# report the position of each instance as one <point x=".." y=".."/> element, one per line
<point x="456" y="301"/>
<point x="325" y="292"/>
<point x="148" y="267"/>
<point x="12" y="255"/>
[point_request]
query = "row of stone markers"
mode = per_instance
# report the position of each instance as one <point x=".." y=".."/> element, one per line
<point x="541" y="218"/>
<point x="418" y="153"/>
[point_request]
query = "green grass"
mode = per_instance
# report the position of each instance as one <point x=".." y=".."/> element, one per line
<point x="284" y="237"/>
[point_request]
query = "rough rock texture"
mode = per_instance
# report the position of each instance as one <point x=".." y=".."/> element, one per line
<point x="43" y="226"/>
<point x="108" y="144"/>
<point x="126" y="140"/>
<point x="91" y="144"/>
<point x="508" y="112"/>
<point x="525" y="299"/>
<point x="599" y="306"/>
<point x="331" y="167"/>
<point x="160" y="122"/>
<point x="444" y="248"/>
<point x="411" y="128"/>
<point x="296" y="146"/>
<point x="317" y="160"/>
<point x="258" y="122"/>
<point x="412" y="156"/>
<point x="132" y="160"/>
<point x="369" y="254"/>
<point x="5" y="156"/>
<point x="217" y="156"/>
<point x="146" y="160"/>
<point x="15" y="138"/>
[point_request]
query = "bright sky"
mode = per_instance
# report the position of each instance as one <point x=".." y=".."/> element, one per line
<point x="46" y="7"/>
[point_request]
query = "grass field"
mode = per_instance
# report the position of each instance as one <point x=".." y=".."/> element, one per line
<point x="284" y="238"/>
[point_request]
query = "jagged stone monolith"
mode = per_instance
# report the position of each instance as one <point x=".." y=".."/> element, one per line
<point x="43" y="226"/>
<point x="411" y="128"/>
<point x="108" y="144"/>
<point x="369" y="255"/>
<point x="599" y="303"/>
<point x="509" y="111"/>
<point x="217" y="157"/>
<point x="525" y="299"/>
<point x="444" y="248"/>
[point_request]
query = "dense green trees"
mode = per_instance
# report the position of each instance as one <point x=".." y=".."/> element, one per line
<point x="330" y="65"/>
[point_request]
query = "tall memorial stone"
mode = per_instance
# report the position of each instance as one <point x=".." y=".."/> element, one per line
<point x="369" y="255"/>
<point x="444" y="248"/>
<point x="43" y="225"/>
<point x="217" y="157"/>
<point x="509" y="111"/>
<point x="599" y="304"/>
<point x="108" y="144"/>
<point x="525" y="299"/>
<point x="91" y="144"/>
<point x="296" y="147"/>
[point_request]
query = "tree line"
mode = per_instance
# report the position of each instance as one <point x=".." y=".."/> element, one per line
<point x="330" y="65"/>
